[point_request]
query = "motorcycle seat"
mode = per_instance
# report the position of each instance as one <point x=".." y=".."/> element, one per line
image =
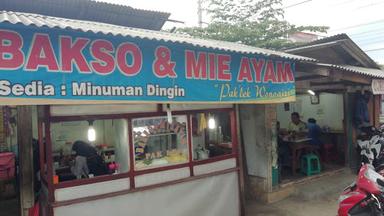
<point x="380" y="182"/>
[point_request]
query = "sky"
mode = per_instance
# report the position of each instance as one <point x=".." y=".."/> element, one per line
<point x="362" y="20"/>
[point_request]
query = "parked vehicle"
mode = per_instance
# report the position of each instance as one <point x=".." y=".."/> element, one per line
<point x="371" y="146"/>
<point x="365" y="196"/>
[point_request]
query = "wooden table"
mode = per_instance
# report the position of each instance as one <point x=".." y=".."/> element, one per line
<point x="297" y="146"/>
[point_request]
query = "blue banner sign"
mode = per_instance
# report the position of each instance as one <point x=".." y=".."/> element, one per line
<point x="48" y="65"/>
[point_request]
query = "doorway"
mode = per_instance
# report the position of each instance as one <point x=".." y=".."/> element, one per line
<point x="323" y="136"/>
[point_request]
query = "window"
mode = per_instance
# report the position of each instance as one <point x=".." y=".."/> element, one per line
<point x="158" y="142"/>
<point x="84" y="149"/>
<point x="211" y="135"/>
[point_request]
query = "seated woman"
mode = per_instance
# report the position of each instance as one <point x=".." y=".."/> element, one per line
<point x="314" y="132"/>
<point x="87" y="161"/>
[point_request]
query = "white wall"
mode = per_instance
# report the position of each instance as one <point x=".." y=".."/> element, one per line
<point x="252" y="119"/>
<point x="73" y="110"/>
<point x="81" y="191"/>
<point x="178" y="107"/>
<point x="214" y="166"/>
<point x="211" y="196"/>
<point x="161" y="177"/>
<point x="63" y="134"/>
<point x="330" y="111"/>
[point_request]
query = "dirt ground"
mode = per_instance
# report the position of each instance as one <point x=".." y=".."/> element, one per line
<point x="294" y="206"/>
<point x="317" y="198"/>
<point x="9" y="207"/>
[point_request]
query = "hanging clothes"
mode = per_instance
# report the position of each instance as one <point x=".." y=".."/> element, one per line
<point x="361" y="111"/>
<point x="202" y="122"/>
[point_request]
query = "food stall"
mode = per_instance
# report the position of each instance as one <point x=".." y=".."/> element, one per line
<point x="158" y="109"/>
<point x="146" y="155"/>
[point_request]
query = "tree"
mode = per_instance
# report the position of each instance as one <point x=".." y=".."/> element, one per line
<point x="256" y="23"/>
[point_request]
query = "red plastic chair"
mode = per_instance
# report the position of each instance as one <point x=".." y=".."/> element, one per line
<point x="34" y="211"/>
<point x="329" y="152"/>
<point x="7" y="166"/>
<point x="7" y="170"/>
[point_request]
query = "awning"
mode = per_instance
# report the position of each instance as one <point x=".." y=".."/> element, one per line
<point x="50" y="60"/>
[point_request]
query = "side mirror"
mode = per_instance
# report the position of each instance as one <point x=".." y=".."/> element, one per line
<point x="380" y="182"/>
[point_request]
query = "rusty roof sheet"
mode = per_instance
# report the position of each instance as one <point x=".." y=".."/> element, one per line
<point x="343" y="41"/>
<point x="371" y="72"/>
<point x="29" y="19"/>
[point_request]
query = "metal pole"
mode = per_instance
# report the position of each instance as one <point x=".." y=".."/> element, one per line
<point x="199" y="13"/>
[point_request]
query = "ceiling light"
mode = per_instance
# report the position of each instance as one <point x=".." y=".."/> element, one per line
<point x="311" y="92"/>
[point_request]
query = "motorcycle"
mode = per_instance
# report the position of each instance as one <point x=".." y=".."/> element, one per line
<point x="365" y="196"/>
<point x="371" y="146"/>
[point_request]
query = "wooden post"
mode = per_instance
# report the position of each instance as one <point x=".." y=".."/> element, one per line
<point x="241" y="161"/>
<point x="376" y="110"/>
<point x="271" y="140"/>
<point x="351" y="155"/>
<point x="24" y="131"/>
<point x="371" y="110"/>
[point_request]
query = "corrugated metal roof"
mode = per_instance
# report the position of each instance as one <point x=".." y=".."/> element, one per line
<point x="92" y="11"/>
<point x="371" y="72"/>
<point x="322" y="40"/>
<point x="121" y="5"/>
<point x="343" y="41"/>
<point x="108" y="29"/>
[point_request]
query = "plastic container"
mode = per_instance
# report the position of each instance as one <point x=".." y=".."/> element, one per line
<point x="55" y="179"/>
<point x="275" y="176"/>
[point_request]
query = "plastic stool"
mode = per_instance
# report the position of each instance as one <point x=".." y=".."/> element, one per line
<point x="310" y="164"/>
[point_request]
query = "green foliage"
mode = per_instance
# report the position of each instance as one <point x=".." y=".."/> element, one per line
<point x="256" y="23"/>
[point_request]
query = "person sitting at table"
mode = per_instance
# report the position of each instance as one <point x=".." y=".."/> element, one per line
<point x="314" y="132"/>
<point x="87" y="161"/>
<point x="296" y="126"/>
